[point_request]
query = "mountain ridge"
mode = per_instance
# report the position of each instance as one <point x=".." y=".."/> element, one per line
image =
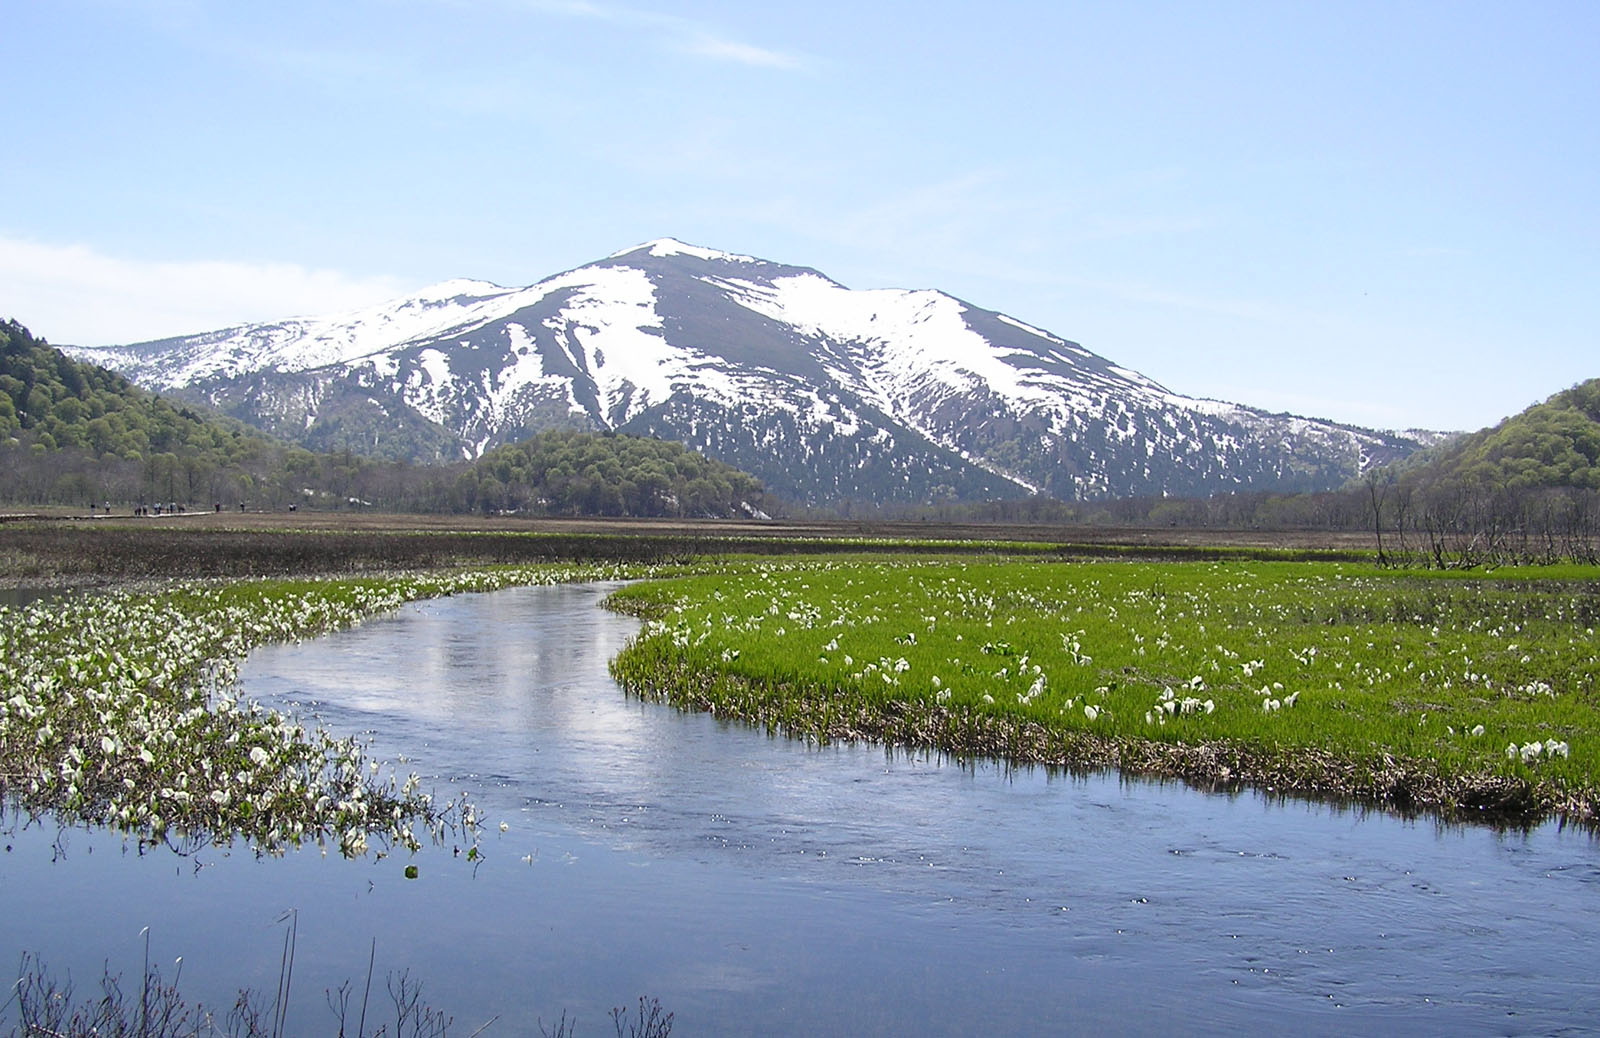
<point x="79" y="434"/>
<point x="823" y="392"/>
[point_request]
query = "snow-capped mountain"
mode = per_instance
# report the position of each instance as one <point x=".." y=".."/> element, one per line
<point x="823" y="392"/>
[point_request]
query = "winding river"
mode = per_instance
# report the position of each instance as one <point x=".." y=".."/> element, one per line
<point x="759" y="885"/>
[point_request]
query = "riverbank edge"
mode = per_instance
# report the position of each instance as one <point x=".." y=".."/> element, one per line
<point x="650" y="669"/>
<point x="28" y="793"/>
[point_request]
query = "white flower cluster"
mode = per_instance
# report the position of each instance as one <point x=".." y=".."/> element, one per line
<point x="117" y="709"/>
<point x="1272" y="701"/>
<point x="1172" y="705"/>
<point x="1530" y="752"/>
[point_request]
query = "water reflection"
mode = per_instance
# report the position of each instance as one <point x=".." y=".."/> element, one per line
<point x="759" y="885"/>
<point x="20" y="597"/>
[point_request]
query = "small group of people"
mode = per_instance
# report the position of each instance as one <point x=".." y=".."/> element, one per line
<point x="170" y="508"/>
<point x="174" y="508"/>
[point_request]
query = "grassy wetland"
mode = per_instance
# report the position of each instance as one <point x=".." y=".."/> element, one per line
<point x="118" y="709"/>
<point x="1472" y="694"/>
<point x="1290" y="668"/>
<point x="1466" y="692"/>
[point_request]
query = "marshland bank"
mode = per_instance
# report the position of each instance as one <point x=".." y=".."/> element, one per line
<point x="62" y="548"/>
<point x="1469" y="694"/>
<point x="119" y="709"/>
<point x="738" y="529"/>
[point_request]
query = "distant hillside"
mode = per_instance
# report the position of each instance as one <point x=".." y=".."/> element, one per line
<point x="1526" y="490"/>
<point x="75" y="434"/>
<point x="1552" y="444"/>
<point x="48" y="400"/>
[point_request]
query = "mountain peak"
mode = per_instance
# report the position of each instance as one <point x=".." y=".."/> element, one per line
<point x="662" y="247"/>
<point x="821" y="391"/>
<point x="455" y="288"/>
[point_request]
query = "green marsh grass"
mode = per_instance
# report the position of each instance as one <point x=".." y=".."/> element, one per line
<point x="1465" y="693"/>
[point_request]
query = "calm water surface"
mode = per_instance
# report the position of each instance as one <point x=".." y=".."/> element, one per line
<point x="20" y="597"/>
<point x="758" y="885"/>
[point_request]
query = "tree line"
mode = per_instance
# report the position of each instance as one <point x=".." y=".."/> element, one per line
<point x="1524" y="491"/>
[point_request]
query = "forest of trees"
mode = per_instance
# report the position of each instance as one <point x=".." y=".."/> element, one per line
<point x="1525" y="490"/>
<point x="572" y="473"/>
<point x="74" y="434"/>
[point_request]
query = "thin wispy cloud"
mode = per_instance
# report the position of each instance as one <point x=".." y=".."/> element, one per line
<point x="675" y="32"/>
<point x="949" y="224"/>
<point x="715" y="47"/>
<point x="930" y="219"/>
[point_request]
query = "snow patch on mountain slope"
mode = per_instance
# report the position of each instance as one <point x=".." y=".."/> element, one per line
<point x="612" y="313"/>
<point x="902" y="338"/>
<point x="307" y="343"/>
<point x="436" y="365"/>
<point x="609" y="328"/>
<point x="524" y="375"/>
<point x="426" y="386"/>
<point x="318" y="342"/>
<point x="1041" y="333"/>
<point x="910" y="349"/>
<point x="1198" y="405"/>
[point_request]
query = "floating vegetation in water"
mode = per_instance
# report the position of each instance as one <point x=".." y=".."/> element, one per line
<point x="1403" y="688"/>
<point x="47" y="1006"/>
<point x="119" y="709"/>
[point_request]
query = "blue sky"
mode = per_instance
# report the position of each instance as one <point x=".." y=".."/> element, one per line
<point x="1380" y="213"/>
